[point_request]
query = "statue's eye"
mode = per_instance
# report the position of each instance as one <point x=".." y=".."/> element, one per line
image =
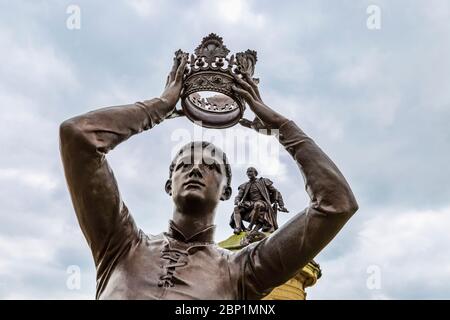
<point x="214" y="166"/>
<point x="183" y="165"/>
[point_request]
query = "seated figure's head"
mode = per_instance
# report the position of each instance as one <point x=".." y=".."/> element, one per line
<point x="200" y="176"/>
<point x="252" y="173"/>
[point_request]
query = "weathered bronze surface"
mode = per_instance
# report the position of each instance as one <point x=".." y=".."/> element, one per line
<point x="184" y="262"/>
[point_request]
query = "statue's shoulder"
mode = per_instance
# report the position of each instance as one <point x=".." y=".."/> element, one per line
<point x="266" y="181"/>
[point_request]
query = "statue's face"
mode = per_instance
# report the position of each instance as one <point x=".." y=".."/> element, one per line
<point x="198" y="178"/>
<point x="251" y="173"/>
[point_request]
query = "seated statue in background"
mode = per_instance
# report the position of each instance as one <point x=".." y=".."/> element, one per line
<point x="257" y="203"/>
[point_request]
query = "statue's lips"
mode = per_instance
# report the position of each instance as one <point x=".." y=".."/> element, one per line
<point x="193" y="183"/>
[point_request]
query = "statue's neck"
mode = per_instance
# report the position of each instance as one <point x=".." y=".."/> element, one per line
<point x="191" y="224"/>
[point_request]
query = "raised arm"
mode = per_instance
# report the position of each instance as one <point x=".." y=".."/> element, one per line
<point x="84" y="142"/>
<point x="279" y="257"/>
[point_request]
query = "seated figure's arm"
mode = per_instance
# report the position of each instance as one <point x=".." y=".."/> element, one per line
<point x="275" y="195"/>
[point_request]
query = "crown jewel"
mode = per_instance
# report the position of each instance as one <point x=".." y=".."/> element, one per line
<point x="210" y="69"/>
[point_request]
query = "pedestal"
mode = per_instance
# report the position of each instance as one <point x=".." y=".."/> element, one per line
<point x="294" y="288"/>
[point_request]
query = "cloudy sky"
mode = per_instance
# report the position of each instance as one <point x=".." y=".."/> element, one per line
<point x="376" y="100"/>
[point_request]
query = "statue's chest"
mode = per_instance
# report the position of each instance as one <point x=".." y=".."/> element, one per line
<point x="254" y="193"/>
<point x="162" y="270"/>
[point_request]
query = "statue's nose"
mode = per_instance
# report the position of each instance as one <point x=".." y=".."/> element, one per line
<point x="195" y="171"/>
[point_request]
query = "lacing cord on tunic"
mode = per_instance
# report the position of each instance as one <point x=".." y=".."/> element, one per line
<point x="173" y="256"/>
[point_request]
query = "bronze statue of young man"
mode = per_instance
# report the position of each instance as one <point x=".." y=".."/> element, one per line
<point x="184" y="262"/>
<point x="253" y="204"/>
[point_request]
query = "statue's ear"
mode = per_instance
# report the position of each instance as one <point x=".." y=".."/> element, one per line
<point x="168" y="187"/>
<point x="226" y="194"/>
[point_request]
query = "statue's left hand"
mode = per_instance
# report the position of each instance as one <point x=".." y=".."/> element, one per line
<point x="266" y="118"/>
<point x="174" y="83"/>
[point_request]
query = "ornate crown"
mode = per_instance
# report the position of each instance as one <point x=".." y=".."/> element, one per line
<point x="210" y="69"/>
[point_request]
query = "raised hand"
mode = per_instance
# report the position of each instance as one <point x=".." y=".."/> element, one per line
<point x="174" y="83"/>
<point x="266" y="118"/>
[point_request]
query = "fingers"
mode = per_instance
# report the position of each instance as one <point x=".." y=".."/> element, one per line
<point x="246" y="86"/>
<point x="245" y="94"/>
<point x="168" y="80"/>
<point x="181" y="68"/>
<point x="174" y="66"/>
<point x="249" y="80"/>
<point x="173" y="70"/>
<point x="252" y="83"/>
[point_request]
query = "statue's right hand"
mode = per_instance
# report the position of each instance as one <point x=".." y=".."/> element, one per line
<point x="174" y="84"/>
